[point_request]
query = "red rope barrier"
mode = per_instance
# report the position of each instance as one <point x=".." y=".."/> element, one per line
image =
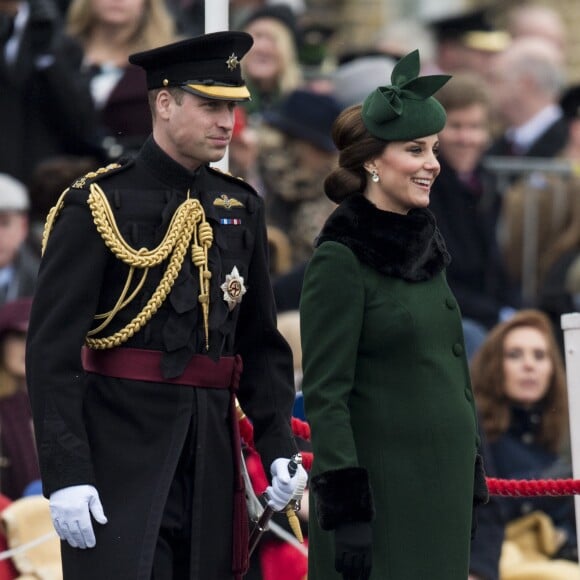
<point x="503" y="487"/>
<point x="533" y="487"/>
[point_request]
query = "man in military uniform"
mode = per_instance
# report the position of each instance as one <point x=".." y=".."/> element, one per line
<point x="153" y="291"/>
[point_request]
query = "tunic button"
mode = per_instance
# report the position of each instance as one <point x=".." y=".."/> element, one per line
<point x="468" y="395"/>
<point x="457" y="349"/>
<point x="450" y="303"/>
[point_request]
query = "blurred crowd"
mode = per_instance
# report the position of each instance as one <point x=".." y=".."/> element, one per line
<point x="507" y="202"/>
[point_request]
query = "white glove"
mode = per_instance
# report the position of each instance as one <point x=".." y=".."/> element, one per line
<point x="285" y="488"/>
<point x="71" y="509"/>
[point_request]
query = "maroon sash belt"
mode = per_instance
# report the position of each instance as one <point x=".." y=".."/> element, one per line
<point x="138" y="364"/>
<point x="202" y="372"/>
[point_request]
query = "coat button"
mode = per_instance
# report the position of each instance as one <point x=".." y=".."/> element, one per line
<point x="457" y="349"/>
<point x="468" y="395"/>
<point x="450" y="303"/>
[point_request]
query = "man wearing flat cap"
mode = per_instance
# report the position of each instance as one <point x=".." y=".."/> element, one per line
<point x="153" y="292"/>
<point x="18" y="262"/>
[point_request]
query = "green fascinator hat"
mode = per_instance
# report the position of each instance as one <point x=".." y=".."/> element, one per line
<point x="405" y="109"/>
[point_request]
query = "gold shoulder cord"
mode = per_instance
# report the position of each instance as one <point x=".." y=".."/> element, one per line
<point x="54" y="211"/>
<point x="187" y="226"/>
<point x="52" y="214"/>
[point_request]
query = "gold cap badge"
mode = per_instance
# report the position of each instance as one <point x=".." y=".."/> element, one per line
<point x="233" y="62"/>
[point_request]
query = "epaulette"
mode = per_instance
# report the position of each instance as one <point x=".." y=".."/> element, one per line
<point x="100" y="172"/>
<point x="233" y="178"/>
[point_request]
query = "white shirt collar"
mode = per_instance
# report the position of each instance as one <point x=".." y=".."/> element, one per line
<point x="525" y="135"/>
<point x="6" y="275"/>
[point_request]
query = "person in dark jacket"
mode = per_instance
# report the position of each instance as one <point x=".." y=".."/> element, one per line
<point x="45" y="103"/>
<point x="18" y="459"/>
<point x="559" y="270"/>
<point x="153" y="291"/>
<point x="519" y="382"/>
<point x="527" y="79"/>
<point x="396" y="472"/>
<point x="18" y="262"/>
<point x="108" y="35"/>
<point x="466" y="204"/>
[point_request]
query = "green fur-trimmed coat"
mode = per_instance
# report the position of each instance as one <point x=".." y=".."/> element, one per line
<point x="387" y="395"/>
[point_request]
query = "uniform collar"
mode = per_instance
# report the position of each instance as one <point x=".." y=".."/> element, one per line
<point x="166" y="169"/>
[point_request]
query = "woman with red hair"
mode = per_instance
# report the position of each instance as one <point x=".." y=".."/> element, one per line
<point x="519" y="381"/>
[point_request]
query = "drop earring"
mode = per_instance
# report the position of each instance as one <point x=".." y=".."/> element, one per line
<point x="375" y="176"/>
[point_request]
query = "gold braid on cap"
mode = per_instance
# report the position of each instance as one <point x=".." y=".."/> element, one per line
<point x="187" y="227"/>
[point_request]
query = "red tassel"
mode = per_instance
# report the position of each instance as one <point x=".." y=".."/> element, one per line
<point x="246" y="431"/>
<point x="240" y="556"/>
<point x="241" y="534"/>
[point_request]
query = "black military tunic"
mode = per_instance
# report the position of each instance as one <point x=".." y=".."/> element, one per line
<point x="126" y="436"/>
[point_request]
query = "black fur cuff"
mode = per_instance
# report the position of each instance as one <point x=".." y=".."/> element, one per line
<point x="342" y="496"/>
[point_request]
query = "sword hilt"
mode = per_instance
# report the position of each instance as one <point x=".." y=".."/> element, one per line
<point x="293" y="464"/>
<point x="293" y="506"/>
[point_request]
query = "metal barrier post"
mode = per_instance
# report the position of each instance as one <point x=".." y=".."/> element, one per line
<point x="571" y="326"/>
<point x="217" y="18"/>
<point x="508" y="169"/>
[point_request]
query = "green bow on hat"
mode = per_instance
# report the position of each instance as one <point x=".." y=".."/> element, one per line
<point x="405" y="110"/>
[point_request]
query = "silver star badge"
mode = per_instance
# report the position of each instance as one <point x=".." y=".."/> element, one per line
<point x="232" y="62"/>
<point x="233" y="288"/>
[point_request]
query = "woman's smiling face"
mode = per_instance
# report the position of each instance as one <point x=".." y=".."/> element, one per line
<point x="406" y="171"/>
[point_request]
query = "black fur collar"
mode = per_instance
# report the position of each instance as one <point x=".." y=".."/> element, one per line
<point x="404" y="246"/>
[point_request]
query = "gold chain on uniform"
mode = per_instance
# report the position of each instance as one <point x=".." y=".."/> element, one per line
<point x="187" y="227"/>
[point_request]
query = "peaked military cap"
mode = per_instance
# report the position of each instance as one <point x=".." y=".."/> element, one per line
<point x="206" y="65"/>
<point x="405" y="109"/>
<point x="455" y="25"/>
<point x="473" y="29"/>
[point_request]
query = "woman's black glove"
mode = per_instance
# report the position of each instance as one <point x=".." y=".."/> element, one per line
<point x="344" y="503"/>
<point x="353" y="550"/>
